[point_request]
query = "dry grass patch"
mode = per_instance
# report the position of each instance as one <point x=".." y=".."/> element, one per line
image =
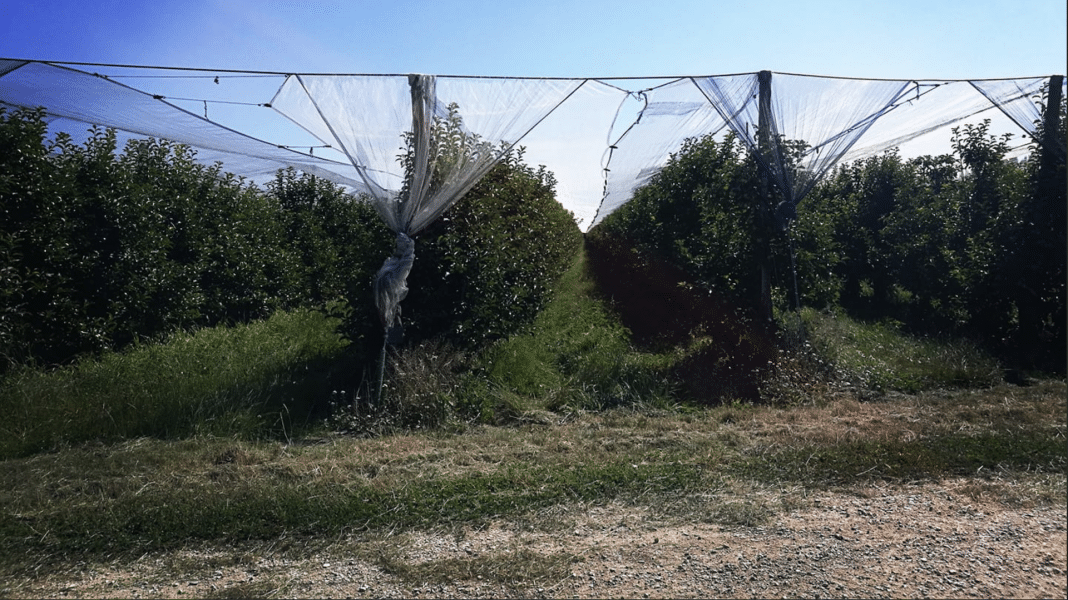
<point x="902" y="417"/>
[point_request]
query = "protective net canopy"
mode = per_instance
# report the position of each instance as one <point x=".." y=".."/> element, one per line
<point x="801" y="127"/>
<point x="451" y="132"/>
<point x="668" y="115"/>
<point x="75" y="100"/>
<point x="1020" y="100"/>
<point x="414" y="144"/>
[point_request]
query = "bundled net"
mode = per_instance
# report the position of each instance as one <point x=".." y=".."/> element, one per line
<point x="453" y="132"/>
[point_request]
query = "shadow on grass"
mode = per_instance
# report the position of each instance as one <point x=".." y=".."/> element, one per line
<point x="662" y="310"/>
<point x="156" y="519"/>
<point x="926" y="459"/>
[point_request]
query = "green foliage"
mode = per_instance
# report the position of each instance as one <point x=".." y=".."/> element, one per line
<point x="337" y="242"/>
<point x="101" y="248"/>
<point x="705" y="212"/>
<point x="834" y="229"/>
<point x="964" y="244"/>
<point x="24" y="184"/>
<point x="448" y="148"/>
<point x="487" y="267"/>
<point x="105" y="249"/>
<point x="967" y="244"/>
<point x="710" y="211"/>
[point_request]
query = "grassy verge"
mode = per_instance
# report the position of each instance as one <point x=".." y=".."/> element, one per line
<point x="578" y="356"/>
<point x="251" y="380"/>
<point x="270" y="505"/>
<point x="878" y="356"/>
<point x="147" y="495"/>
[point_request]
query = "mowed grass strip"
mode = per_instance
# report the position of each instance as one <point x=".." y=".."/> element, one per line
<point x="162" y="516"/>
<point x="148" y="495"/>
<point x="932" y="458"/>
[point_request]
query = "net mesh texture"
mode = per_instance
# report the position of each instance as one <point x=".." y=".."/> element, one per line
<point x="414" y="144"/>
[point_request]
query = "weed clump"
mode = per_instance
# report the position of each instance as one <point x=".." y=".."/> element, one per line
<point x="420" y="390"/>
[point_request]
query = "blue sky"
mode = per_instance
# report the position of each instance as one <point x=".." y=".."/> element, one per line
<point x="906" y="39"/>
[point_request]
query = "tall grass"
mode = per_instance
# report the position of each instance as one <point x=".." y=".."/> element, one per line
<point x="578" y="356"/>
<point x="880" y="357"/>
<point x="250" y="380"/>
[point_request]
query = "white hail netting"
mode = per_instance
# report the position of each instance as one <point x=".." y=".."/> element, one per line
<point x="447" y="134"/>
<point x="75" y="100"/>
<point x="573" y="142"/>
<point x="798" y="127"/>
<point x="1019" y="99"/>
<point x="415" y="144"/>
<point x="667" y="115"/>
<point x="369" y="117"/>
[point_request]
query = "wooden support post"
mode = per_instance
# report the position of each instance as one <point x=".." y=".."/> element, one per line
<point x="1052" y="156"/>
<point x="1052" y="118"/>
<point x="764" y="211"/>
<point x="764" y="113"/>
<point x="1052" y="147"/>
<point x="1051" y="123"/>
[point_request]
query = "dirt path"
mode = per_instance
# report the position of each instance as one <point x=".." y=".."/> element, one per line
<point x="950" y="540"/>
